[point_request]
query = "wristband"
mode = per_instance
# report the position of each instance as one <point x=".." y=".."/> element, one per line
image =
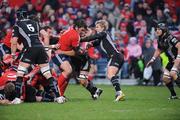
<point x="52" y="46"/>
<point x="13" y="55"/>
<point x="153" y="58"/>
<point x="178" y="57"/>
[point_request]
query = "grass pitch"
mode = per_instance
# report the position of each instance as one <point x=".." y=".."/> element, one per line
<point x="142" y="103"/>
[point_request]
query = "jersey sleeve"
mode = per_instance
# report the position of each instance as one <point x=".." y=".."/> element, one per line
<point x="94" y="37"/>
<point x="160" y="47"/>
<point x="174" y="41"/>
<point x="15" y="31"/>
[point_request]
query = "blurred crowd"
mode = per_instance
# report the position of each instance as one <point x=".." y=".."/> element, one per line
<point x="131" y="24"/>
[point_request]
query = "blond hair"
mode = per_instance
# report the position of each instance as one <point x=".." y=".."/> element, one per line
<point x="103" y="23"/>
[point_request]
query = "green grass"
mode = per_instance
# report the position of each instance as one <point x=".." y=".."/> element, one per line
<point x="142" y="103"/>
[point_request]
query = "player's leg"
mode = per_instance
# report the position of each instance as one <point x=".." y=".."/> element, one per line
<point x="169" y="83"/>
<point x="63" y="78"/>
<point x="45" y="70"/>
<point x="63" y="62"/>
<point x="174" y="73"/>
<point x="22" y="69"/>
<point x="113" y="67"/>
<point x="92" y="69"/>
<point x="44" y="96"/>
<point x="42" y="61"/>
<point x="89" y="85"/>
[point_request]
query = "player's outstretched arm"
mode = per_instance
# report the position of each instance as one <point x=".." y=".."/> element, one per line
<point x="156" y="54"/>
<point x="93" y="37"/>
<point x="14" y="45"/>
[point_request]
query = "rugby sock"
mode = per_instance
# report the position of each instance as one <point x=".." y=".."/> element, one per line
<point x="115" y="83"/>
<point x="45" y="96"/>
<point x="62" y="83"/>
<point x="18" y="87"/>
<point x="170" y="86"/>
<point x="53" y="86"/>
<point x="177" y="81"/>
<point x="91" y="88"/>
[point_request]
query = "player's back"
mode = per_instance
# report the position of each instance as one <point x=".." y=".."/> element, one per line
<point x="7" y="76"/>
<point x="28" y="31"/>
<point x="7" y="39"/>
<point x="69" y="39"/>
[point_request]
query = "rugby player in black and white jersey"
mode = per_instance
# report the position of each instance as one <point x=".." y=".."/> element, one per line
<point x="171" y="46"/>
<point x="116" y="59"/>
<point x="34" y="53"/>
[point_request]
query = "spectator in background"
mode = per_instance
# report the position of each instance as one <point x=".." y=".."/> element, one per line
<point x="173" y="26"/>
<point x="39" y="5"/>
<point x="139" y="8"/>
<point x="137" y="23"/>
<point x="123" y="33"/>
<point x="135" y="52"/>
<point x="109" y="6"/>
<point x="142" y="32"/>
<point x="30" y="9"/>
<point x="148" y="51"/>
<point x="92" y="8"/>
<point x="149" y="19"/>
<point x="177" y="2"/>
<point x="53" y="3"/>
<point x="159" y="15"/>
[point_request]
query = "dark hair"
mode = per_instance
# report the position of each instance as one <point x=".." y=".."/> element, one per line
<point x="46" y="27"/>
<point x="34" y="17"/>
<point x="80" y="24"/>
<point x="9" y="91"/>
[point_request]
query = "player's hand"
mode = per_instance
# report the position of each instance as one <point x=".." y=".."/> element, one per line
<point x="56" y="46"/>
<point x="5" y="102"/>
<point x="176" y="61"/>
<point x="58" y="52"/>
<point x="89" y="45"/>
<point x="149" y="63"/>
<point x="13" y="58"/>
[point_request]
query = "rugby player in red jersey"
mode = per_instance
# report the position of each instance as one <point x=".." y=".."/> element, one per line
<point x="68" y="48"/>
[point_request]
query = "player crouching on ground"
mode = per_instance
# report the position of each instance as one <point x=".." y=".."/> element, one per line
<point x="30" y="93"/>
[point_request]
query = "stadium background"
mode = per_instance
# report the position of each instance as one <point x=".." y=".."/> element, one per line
<point x="142" y="103"/>
<point x="131" y="25"/>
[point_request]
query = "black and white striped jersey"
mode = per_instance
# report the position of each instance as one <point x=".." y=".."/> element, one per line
<point x="28" y="32"/>
<point x="103" y="39"/>
<point x="167" y="44"/>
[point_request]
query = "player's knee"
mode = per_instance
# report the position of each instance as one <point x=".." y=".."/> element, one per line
<point x="173" y="73"/>
<point x="68" y="71"/>
<point x="166" y="79"/>
<point x="46" y="71"/>
<point x="21" y="70"/>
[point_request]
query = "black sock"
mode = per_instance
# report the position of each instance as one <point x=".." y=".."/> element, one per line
<point x="18" y="87"/>
<point x="115" y="83"/>
<point x="177" y="81"/>
<point x="45" y="96"/>
<point x="91" y="88"/>
<point x="170" y="86"/>
<point x="53" y="86"/>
